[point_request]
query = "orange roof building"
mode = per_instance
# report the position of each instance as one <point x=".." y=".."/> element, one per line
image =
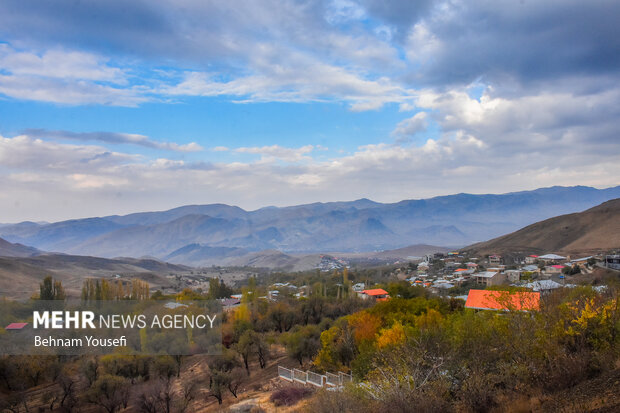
<point x="503" y="300"/>
<point x="378" y="293"/>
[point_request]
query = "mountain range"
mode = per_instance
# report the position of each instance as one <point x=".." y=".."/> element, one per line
<point x="203" y="234"/>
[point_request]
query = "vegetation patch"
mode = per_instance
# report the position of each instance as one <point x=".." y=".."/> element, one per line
<point x="289" y="396"/>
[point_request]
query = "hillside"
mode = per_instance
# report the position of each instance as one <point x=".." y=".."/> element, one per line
<point x="8" y="249"/>
<point x="223" y="234"/>
<point x="20" y="276"/>
<point x="597" y="229"/>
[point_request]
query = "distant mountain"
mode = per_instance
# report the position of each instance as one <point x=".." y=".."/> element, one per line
<point x="418" y="250"/>
<point x="597" y="228"/>
<point x="8" y="249"/>
<point x="202" y="255"/>
<point x="202" y="234"/>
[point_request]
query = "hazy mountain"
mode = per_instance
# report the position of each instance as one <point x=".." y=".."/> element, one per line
<point x="597" y="228"/>
<point x="198" y="234"/>
<point x="202" y="255"/>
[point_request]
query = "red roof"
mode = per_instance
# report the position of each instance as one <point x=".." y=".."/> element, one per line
<point x="15" y="326"/>
<point x="558" y="266"/>
<point x="534" y="256"/>
<point x="502" y="300"/>
<point x="375" y="292"/>
<point x="460" y="269"/>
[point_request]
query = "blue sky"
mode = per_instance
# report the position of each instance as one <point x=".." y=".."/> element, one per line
<point x="114" y="107"/>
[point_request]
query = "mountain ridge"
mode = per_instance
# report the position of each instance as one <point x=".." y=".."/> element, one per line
<point x="349" y="226"/>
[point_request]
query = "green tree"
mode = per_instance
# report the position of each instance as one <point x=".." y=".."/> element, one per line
<point x="51" y="290"/>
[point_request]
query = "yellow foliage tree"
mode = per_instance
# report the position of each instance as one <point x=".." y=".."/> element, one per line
<point x="392" y="336"/>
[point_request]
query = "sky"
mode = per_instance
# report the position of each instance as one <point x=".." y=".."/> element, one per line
<point x="114" y="106"/>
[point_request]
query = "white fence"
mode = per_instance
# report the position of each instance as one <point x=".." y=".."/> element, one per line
<point x="328" y="380"/>
<point x="284" y="373"/>
<point x="332" y="379"/>
<point x="300" y="376"/>
<point x="345" y="378"/>
<point x="315" y="379"/>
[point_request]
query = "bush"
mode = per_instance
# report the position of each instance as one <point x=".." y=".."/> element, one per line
<point x="288" y="396"/>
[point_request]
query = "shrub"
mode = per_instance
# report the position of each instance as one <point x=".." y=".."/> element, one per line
<point x="288" y="396"/>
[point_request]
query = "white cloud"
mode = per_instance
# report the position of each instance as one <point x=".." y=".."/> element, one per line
<point x="277" y="152"/>
<point x="411" y="126"/>
<point x="302" y="80"/>
<point x="60" y="64"/>
<point x="95" y="181"/>
<point x="62" y="91"/>
<point x="342" y="11"/>
<point x="65" y="77"/>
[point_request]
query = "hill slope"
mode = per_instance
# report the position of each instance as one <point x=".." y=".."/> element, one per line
<point x="597" y="228"/>
<point x="20" y="276"/>
<point x="8" y="249"/>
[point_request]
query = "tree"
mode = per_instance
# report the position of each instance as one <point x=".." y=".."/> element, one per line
<point x="262" y="349"/>
<point x="51" y="290"/>
<point x="159" y="396"/>
<point x="68" y="398"/>
<point x="90" y="369"/>
<point x="221" y="377"/>
<point x="282" y="317"/>
<point x="218" y="384"/>
<point x="244" y="347"/>
<point x="237" y="377"/>
<point x="217" y="289"/>
<point x="109" y="392"/>
<point x="303" y="343"/>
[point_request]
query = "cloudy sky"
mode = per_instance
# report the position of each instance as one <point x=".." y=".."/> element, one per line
<point x="118" y="106"/>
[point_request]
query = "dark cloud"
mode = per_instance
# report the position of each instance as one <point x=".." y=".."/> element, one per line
<point x="525" y="41"/>
<point x="111" y="137"/>
<point x="398" y="13"/>
<point x="104" y="25"/>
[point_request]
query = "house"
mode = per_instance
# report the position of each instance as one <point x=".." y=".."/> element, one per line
<point x="472" y="265"/>
<point x="462" y="271"/>
<point x="230" y="303"/>
<point x="581" y="262"/>
<point x="503" y="300"/>
<point x="442" y="285"/>
<point x="531" y="259"/>
<point x="530" y="268"/>
<point x="359" y="287"/>
<point x="378" y="294"/>
<point x="495" y="260"/>
<point x="173" y="306"/>
<point x="552" y="258"/>
<point x="488" y="278"/>
<point x="543" y="286"/>
<point x="513" y="275"/>
<point x="612" y="261"/>
<point x="551" y="270"/>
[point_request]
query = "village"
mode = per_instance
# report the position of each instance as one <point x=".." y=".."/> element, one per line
<point x="456" y="275"/>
